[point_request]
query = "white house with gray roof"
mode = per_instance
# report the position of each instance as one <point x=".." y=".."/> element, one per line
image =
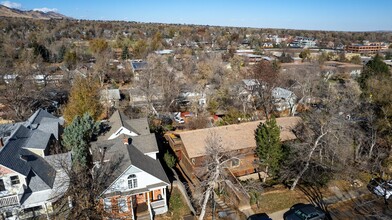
<point x="138" y="186"/>
<point x="29" y="178"/>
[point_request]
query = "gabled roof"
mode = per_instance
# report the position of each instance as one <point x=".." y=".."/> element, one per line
<point x="39" y="115"/>
<point x="145" y="143"/>
<point x="15" y="157"/>
<point x="234" y="137"/>
<point x="110" y="94"/>
<point x="119" y="119"/>
<point x="280" y="93"/>
<point x="126" y="156"/>
<point x="49" y="125"/>
<point x="45" y="122"/>
<point x="38" y="140"/>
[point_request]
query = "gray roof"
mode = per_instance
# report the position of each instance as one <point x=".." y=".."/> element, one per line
<point x="280" y="93"/>
<point x="126" y="156"/>
<point x="49" y="125"/>
<point x="145" y="143"/>
<point x="110" y="94"/>
<point x="36" y="183"/>
<point x="15" y="157"/>
<point x="38" y="140"/>
<point x="119" y="119"/>
<point x="39" y="115"/>
<point x="45" y="122"/>
<point x="251" y="82"/>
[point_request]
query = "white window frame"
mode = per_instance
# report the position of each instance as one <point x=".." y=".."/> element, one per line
<point x="132" y="181"/>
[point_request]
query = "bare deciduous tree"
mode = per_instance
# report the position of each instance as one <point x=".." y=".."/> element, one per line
<point x="216" y="162"/>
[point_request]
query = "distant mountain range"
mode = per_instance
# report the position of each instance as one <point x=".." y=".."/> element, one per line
<point x="16" y="13"/>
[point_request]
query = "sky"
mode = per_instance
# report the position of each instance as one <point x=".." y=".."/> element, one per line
<point x="337" y="15"/>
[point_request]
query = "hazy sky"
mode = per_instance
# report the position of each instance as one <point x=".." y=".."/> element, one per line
<point x="343" y="15"/>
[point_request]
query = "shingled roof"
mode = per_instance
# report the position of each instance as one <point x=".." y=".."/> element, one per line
<point x="118" y="119"/>
<point x="128" y="155"/>
<point x="15" y="157"/>
<point x="234" y="137"/>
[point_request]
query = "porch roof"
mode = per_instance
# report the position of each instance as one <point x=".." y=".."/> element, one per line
<point x="136" y="191"/>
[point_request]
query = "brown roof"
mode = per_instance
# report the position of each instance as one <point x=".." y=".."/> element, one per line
<point x="234" y="137"/>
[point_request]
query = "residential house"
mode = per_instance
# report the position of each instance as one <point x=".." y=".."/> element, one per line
<point x="137" y="66"/>
<point x="110" y="97"/>
<point x="189" y="98"/>
<point x="237" y="139"/>
<point x="31" y="179"/>
<point x="284" y="100"/>
<point x="137" y="189"/>
<point x="251" y="84"/>
<point x="139" y="97"/>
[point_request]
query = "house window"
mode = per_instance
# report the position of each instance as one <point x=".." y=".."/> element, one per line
<point x="235" y="162"/>
<point x="107" y="204"/>
<point x="122" y="204"/>
<point x="2" y="186"/>
<point x="132" y="181"/>
<point x="15" y="180"/>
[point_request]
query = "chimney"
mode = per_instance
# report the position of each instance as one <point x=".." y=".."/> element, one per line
<point x="126" y="141"/>
<point x="1" y="142"/>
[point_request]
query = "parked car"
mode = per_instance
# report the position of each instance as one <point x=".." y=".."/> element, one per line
<point x="380" y="187"/>
<point x="259" y="216"/>
<point x="302" y="211"/>
<point x="178" y="119"/>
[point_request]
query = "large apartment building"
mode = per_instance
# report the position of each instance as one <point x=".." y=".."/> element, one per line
<point x="360" y="48"/>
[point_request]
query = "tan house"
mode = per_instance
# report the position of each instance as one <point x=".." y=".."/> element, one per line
<point x="238" y="139"/>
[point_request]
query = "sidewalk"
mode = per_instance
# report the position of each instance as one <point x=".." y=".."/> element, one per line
<point x="340" y="196"/>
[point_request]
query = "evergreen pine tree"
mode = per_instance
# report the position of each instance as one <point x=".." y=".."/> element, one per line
<point x="77" y="136"/>
<point x="125" y="53"/>
<point x="268" y="146"/>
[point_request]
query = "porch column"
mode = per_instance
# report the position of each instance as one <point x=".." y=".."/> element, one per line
<point x="148" y="198"/>
<point x="46" y="211"/>
<point x="164" y="194"/>
<point x="131" y="202"/>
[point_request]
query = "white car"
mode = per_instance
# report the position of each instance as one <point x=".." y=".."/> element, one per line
<point x="178" y="119"/>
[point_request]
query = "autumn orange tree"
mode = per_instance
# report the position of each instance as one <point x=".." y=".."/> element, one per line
<point x="98" y="45"/>
<point x="84" y="97"/>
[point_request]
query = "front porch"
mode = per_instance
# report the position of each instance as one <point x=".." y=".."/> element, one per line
<point x="143" y="205"/>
